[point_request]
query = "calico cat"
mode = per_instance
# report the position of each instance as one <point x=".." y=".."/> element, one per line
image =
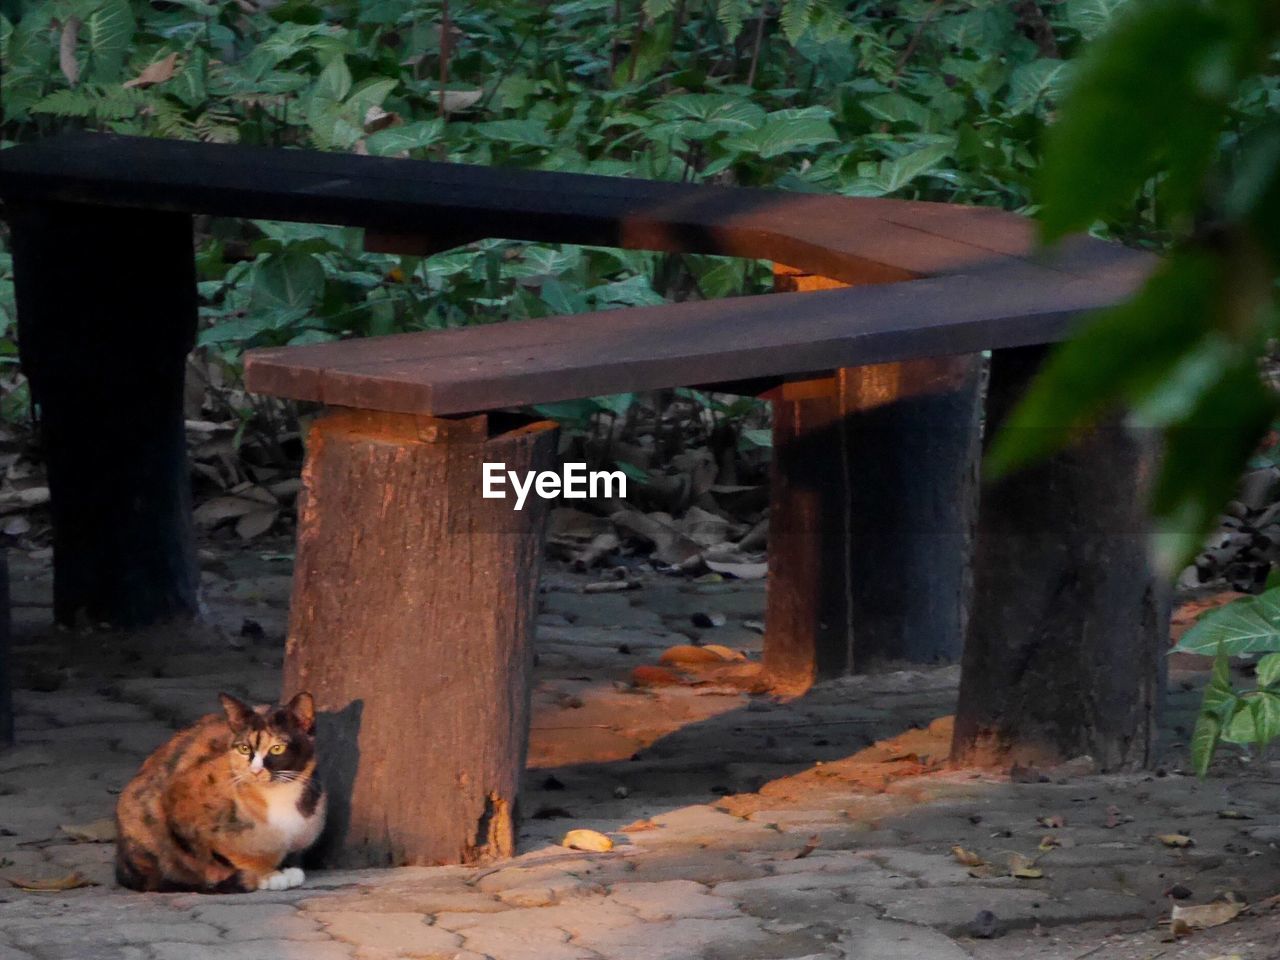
<point x="219" y="807"/>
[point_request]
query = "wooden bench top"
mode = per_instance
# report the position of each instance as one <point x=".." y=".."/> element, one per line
<point x="855" y="240"/>
<point x="472" y="369"/>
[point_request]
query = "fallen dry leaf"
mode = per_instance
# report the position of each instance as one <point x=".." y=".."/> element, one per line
<point x="1024" y="868"/>
<point x="1176" y="840"/>
<point x="454" y="100"/>
<point x="741" y="571"/>
<point x="255" y="524"/>
<point x="967" y="857"/>
<point x="158" y="72"/>
<point x="654" y="677"/>
<point x="589" y="840"/>
<point x="97" y="831"/>
<point x="1048" y="842"/>
<point x="1185" y="919"/>
<point x="1053" y="823"/>
<point x="72" y="881"/>
<point x="687" y="653"/>
<point x="1233" y="815"/>
<point x="67" y="61"/>
<point x="810" y="845"/>
<point x="723" y="652"/>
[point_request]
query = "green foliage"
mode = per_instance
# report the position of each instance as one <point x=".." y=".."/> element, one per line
<point x="940" y="100"/>
<point x="1169" y="124"/>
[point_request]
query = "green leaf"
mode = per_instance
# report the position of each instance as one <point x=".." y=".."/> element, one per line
<point x="1203" y="741"/>
<point x="1138" y="105"/>
<point x="1268" y="670"/>
<point x="898" y="173"/>
<point x="527" y="132"/>
<point x="1119" y="355"/>
<point x="1092" y="17"/>
<point x="1248" y="625"/>
<point x="109" y="31"/>
<point x="411" y="136"/>
<point x="292" y="278"/>
<point x="784" y="131"/>
<point x="795" y="18"/>
<point x="897" y="108"/>
<point x="1204" y="455"/>
<point x="334" y="82"/>
<point x="1037" y="81"/>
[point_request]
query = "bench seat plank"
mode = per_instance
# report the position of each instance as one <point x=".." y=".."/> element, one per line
<point x="474" y="369"/>
<point x="856" y="240"/>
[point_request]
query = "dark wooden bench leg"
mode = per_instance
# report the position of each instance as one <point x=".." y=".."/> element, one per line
<point x="6" y="665"/>
<point x="411" y="623"/>
<point x="106" y="316"/>
<point x="871" y="518"/>
<point x="1065" y="648"/>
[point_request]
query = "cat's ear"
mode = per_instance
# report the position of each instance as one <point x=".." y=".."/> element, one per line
<point x="238" y="712"/>
<point x="303" y="710"/>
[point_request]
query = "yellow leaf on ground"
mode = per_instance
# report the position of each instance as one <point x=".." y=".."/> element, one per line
<point x="967" y="857"/>
<point x="71" y="881"/>
<point x="1186" y="919"/>
<point x="687" y="653"/>
<point x="1024" y="868"/>
<point x="1176" y="840"/>
<point x="587" y="840"/>
<point x="97" y="831"/>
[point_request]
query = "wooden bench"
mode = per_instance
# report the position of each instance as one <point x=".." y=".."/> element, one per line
<point x="414" y="597"/>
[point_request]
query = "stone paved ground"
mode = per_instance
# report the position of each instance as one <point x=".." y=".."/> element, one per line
<point x="747" y="827"/>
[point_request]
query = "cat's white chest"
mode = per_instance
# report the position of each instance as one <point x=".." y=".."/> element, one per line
<point x="285" y="819"/>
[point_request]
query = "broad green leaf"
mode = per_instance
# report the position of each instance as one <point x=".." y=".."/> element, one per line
<point x="1118" y="356"/>
<point x="1249" y="625"/>
<point x="654" y="9"/>
<point x="1092" y="17"/>
<point x="1268" y="669"/>
<point x="898" y="173"/>
<point x="784" y="131"/>
<point x="1204" y="455"/>
<point x="795" y="18"/>
<point x="290" y="279"/>
<point x="897" y="108"/>
<point x="1035" y="82"/>
<point x="1137" y="105"/>
<point x="1265" y="707"/>
<point x="528" y="132"/>
<point x="109" y="31"/>
<point x="1203" y="741"/>
<point x="334" y="82"/>
<point x="411" y="136"/>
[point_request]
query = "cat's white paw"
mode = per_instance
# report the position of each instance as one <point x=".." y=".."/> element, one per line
<point x="285" y="879"/>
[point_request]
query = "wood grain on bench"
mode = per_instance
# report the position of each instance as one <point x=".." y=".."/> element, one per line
<point x="856" y="240"/>
<point x="472" y="369"/>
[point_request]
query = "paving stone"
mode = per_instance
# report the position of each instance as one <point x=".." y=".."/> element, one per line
<point x="951" y="909"/>
<point x="540" y="943"/>
<point x="671" y="899"/>
<point x="885" y="940"/>
<point x="410" y="932"/>
<point x="13" y="953"/>
<point x="252" y="950"/>
<point x="261" y="921"/>
<point x="574" y="919"/>
<point x="545" y="894"/>
<point x="688" y="939"/>
<point x="41" y="936"/>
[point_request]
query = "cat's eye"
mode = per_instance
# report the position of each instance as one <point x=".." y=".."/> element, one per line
<point x="243" y="748"/>
<point x="277" y="748"/>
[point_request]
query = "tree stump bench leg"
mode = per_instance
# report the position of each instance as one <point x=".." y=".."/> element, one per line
<point x="872" y="504"/>
<point x="6" y="664"/>
<point x="871" y="519"/>
<point x="411" y="623"/>
<point x="106" y="317"/>
<point x="1064" y="653"/>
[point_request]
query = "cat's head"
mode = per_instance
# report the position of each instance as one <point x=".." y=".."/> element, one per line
<point x="271" y="744"/>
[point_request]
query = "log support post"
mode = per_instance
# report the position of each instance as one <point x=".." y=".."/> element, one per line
<point x="411" y="624"/>
<point x="1064" y="654"/>
<point x="106" y="304"/>
<point x="6" y="664"/>
<point x="873" y="496"/>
